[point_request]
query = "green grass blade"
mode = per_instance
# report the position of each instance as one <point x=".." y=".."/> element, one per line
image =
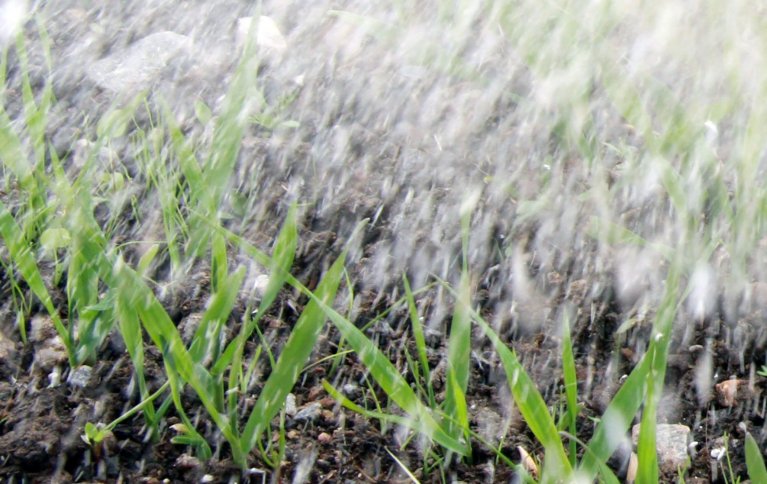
<point x="459" y="359"/>
<point x="458" y="418"/>
<point x="228" y="131"/>
<point x="530" y="402"/>
<point x="647" y="456"/>
<point x="381" y="368"/>
<point x="163" y="332"/>
<point x="616" y="420"/>
<point x="22" y="256"/>
<point x="388" y="378"/>
<point x="282" y="260"/>
<point x="658" y="351"/>
<point x="83" y="285"/>
<point x="757" y="471"/>
<point x="420" y="341"/>
<point x="218" y="263"/>
<point x="130" y="330"/>
<point x="571" y="386"/>
<point x="407" y="422"/>
<point x="190" y="436"/>
<point x="205" y="338"/>
<point x="293" y="357"/>
<point x="385" y="417"/>
<point x="280" y="264"/>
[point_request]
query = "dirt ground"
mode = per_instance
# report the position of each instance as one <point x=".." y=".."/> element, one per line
<point x="42" y="424"/>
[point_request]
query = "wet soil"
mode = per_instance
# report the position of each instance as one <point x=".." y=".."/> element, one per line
<point x="42" y="420"/>
<point x="43" y="413"/>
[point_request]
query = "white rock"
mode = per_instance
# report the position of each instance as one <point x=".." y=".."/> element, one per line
<point x="490" y="425"/>
<point x="268" y="35"/>
<point x="13" y="13"/>
<point x="80" y="376"/>
<point x="54" y="377"/>
<point x="671" y="441"/>
<point x="290" y="405"/>
<point x="260" y="284"/>
<point x="50" y="354"/>
<point x="136" y="67"/>
<point x="309" y="413"/>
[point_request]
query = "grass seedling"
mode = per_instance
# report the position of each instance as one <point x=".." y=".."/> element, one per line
<point x="96" y="433"/>
<point x="757" y="471"/>
<point x="421" y="371"/>
<point x="657" y="353"/>
<point x="571" y="386"/>
<point x="728" y="474"/>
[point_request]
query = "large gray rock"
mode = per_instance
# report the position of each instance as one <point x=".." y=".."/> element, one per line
<point x="671" y="443"/>
<point x="138" y="66"/>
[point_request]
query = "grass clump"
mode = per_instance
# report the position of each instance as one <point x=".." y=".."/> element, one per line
<point x="693" y="210"/>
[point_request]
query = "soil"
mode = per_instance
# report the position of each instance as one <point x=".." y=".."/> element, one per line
<point x="43" y="413"/>
<point x="41" y="425"/>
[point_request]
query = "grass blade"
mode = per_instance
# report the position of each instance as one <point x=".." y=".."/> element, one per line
<point x="571" y="385"/>
<point x="530" y="402"/>
<point x="616" y="420"/>
<point x="757" y="471"/>
<point x="420" y="341"/>
<point x="21" y="254"/>
<point x="388" y="378"/>
<point x="281" y="262"/>
<point x="458" y="358"/>
<point x="646" y="448"/>
<point x="380" y="367"/>
<point x="294" y="355"/>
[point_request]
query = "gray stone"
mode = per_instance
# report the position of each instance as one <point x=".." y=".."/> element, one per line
<point x="50" y="354"/>
<point x="309" y="413"/>
<point x="138" y="66"/>
<point x="671" y="441"/>
<point x="80" y="376"/>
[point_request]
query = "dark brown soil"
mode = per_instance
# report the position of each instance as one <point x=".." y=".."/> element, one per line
<point x="41" y="425"/>
<point x="42" y="418"/>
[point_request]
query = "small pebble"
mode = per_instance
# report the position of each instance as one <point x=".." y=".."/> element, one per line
<point x="54" y="377"/>
<point x="207" y="478"/>
<point x="350" y="390"/>
<point x="730" y="392"/>
<point x="80" y="376"/>
<point x="290" y="405"/>
<point x="328" y="416"/>
<point x="51" y="354"/>
<point x="309" y="413"/>
<point x="324" y="438"/>
<point x="260" y="284"/>
<point x="186" y="461"/>
<point x="672" y="441"/>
